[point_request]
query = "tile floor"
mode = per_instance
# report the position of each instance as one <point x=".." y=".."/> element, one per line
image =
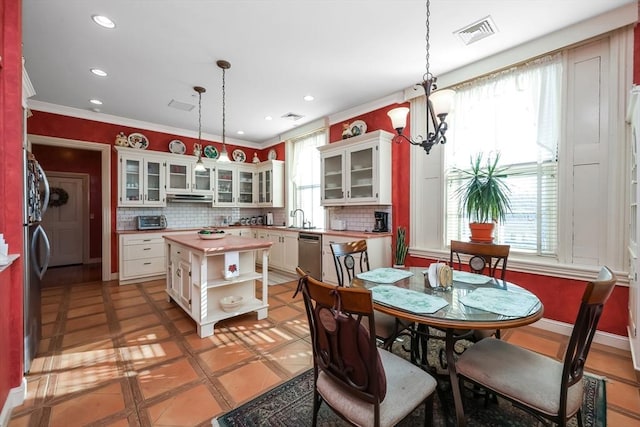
<point x="123" y="356"/>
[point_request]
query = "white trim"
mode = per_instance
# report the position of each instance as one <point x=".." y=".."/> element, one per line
<point x="16" y="397"/>
<point x="299" y="131"/>
<point x="394" y="98"/>
<point x="604" y="338"/>
<point x="139" y="124"/>
<point x="105" y="151"/>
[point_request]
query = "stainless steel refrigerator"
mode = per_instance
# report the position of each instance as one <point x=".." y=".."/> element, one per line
<point x="36" y="253"/>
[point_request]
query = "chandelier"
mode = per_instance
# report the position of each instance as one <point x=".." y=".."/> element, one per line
<point x="438" y="104"/>
<point x="224" y="155"/>
<point x="199" y="164"/>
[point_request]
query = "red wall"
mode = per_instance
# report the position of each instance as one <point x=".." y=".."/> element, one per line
<point x="561" y="297"/>
<point x="11" y="323"/>
<point x="63" y="159"/>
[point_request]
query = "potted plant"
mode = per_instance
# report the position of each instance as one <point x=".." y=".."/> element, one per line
<point x="484" y="196"/>
<point x="402" y="247"/>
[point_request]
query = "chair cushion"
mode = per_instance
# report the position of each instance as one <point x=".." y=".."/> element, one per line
<point x="520" y="374"/>
<point x="407" y="387"/>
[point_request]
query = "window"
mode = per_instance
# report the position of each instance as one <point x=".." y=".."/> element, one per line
<point x="516" y="113"/>
<point x="304" y="173"/>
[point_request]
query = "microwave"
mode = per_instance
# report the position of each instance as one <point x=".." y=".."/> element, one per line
<point x="152" y="222"/>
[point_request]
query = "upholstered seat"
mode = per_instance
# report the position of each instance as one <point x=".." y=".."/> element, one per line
<point x="537" y="383"/>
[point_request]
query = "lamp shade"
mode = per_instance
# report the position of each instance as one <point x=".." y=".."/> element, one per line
<point x="442" y="100"/>
<point x="398" y="117"/>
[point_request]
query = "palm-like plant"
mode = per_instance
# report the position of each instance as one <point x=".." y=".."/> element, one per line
<point x="484" y="196"/>
<point x="401" y="246"/>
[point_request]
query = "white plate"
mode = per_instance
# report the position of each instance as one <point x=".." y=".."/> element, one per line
<point x="239" y="156"/>
<point x="177" y="147"/>
<point x="138" y="140"/>
<point x="358" y="128"/>
<point x="272" y="154"/>
<point x="211" y="152"/>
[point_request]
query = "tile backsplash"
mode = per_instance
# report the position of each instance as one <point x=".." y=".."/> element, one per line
<point x="357" y="218"/>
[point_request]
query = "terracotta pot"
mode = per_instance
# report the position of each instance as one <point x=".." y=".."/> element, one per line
<point x="481" y="232"/>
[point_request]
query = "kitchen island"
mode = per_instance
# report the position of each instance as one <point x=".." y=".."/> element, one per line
<point x="202" y="272"/>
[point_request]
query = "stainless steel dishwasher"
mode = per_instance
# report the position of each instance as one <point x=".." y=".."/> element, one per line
<point x="310" y="254"/>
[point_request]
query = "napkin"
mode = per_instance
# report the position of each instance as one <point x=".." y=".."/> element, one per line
<point x="500" y="301"/>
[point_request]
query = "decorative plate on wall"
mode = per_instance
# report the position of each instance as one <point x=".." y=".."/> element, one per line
<point x="272" y="154"/>
<point x="358" y="127"/>
<point x="211" y="152"/>
<point x="177" y="147"/>
<point x="238" y="155"/>
<point x="138" y="140"/>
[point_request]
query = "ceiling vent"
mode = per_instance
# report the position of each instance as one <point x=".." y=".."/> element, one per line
<point x="181" y="105"/>
<point x="477" y="31"/>
<point x="292" y="116"/>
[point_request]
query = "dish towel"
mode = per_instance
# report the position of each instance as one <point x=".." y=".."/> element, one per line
<point x="499" y="301"/>
<point x="407" y="300"/>
<point x="384" y="275"/>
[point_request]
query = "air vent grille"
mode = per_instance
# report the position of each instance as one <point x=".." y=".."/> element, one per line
<point x="181" y="105"/>
<point x="477" y="31"/>
<point x="292" y="116"/>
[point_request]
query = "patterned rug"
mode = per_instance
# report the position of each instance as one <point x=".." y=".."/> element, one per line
<point x="291" y="405"/>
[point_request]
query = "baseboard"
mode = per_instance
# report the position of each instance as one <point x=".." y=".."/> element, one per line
<point x="15" y="398"/>
<point x="604" y="338"/>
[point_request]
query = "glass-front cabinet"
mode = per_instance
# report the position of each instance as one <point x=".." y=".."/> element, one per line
<point x="225" y="183"/>
<point x="270" y="184"/>
<point x="141" y="180"/>
<point x="357" y="170"/>
<point x="246" y="195"/>
<point x="202" y="181"/>
<point x="178" y="176"/>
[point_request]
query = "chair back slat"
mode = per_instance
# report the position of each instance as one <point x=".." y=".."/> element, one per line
<point x="594" y="297"/>
<point x="494" y="257"/>
<point x="350" y="258"/>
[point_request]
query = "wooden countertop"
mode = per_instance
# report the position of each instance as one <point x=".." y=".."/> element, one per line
<point x="225" y="244"/>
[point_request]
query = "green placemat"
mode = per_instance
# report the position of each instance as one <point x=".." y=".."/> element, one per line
<point x="384" y="275"/>
<point x="407" y="300"/>
<point x="499" y="301"/>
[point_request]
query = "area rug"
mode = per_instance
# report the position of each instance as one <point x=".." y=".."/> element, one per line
<point x="291" y="405"/>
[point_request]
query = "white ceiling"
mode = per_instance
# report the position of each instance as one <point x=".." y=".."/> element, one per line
<point x="343" y="52"/>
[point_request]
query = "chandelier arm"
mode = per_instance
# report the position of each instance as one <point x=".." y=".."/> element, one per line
<point x="401" y="137"/>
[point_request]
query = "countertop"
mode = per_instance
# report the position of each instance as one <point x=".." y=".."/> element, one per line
<point x="215" y="246"/>
<point x="346" y="233"/>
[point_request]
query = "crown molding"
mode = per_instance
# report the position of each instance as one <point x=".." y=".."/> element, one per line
<point x="394" y="98"/>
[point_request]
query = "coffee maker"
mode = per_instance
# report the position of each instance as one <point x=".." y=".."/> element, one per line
<point x="382" y="222"/>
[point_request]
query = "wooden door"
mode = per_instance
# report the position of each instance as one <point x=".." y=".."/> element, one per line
<point x="65" y="220"/>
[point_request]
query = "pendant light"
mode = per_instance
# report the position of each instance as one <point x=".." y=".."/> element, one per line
<point x="224" y="155"/>
<point x="438" y="105"/>
<point x="199" y="164"/>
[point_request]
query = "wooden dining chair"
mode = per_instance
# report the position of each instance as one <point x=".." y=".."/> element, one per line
<point x="350" y="259"/>
<point x="481" y="258"/>
<point x="539" y="384"/>
<point x="363" y="384"/>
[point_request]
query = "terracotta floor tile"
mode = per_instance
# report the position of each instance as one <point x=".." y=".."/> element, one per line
<point x="295" y="357"/>
<point x="165" y="377"/>
<point x="124" y="293"/>
<point x="88" y="407"/>
<point x="146" y="335"/>
<point x="136" y="310"/>
<point x="48" y="330"/>
<point x="84" y="311"/>
<point x="299" y="326"/>
<point x="144" y="355"/>
<point x="129" y="302"/>
<point x="159" y="296"/>
<point x="188" y="408"/>
<point x="50" y="301"/>
<point x="139" y="322"/>
<point x="219" y="338"/>
<point x="184" y="325"/>
<point x="263" y="339"/>
<point x="83" y="379"/>
<point x="85" y="322"/>
<point x="22" y="421"/>
<point x="248" y="381"/>
<point x="85" y="335"/>
<point x="176" y="313"/>
<point x="280" y="314"/>
<point x="49" y="317"/>
<point x="90" y="300"/>
<point x="224" y="356"/>
<point x="84" y="357"/>
<point x="615" y="418"/>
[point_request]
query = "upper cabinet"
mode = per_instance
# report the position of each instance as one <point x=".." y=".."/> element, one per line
<point x="357" y="171"/>
<point x="141" y="179"/>
<point x="246" y="195"/>
<point x="182" y="176"/>
<point x="270" y="184"/>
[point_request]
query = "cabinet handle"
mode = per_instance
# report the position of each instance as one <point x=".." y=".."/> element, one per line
<point x="146" y="240"/>
<point x="146" y="249"/>
<point x="178" y="273"/>
<point x="147" y="263"/>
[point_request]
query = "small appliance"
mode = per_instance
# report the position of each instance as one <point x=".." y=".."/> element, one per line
<point x="152" y="222"/>
<point x="269" y="220"/>
<point x="381" y="222"/>
<point x="338" y="224"/>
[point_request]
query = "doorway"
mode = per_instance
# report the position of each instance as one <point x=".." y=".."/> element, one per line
<point x="66" y="219"/>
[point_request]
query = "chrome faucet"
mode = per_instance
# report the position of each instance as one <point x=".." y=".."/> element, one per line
<point x="293" y="214"/>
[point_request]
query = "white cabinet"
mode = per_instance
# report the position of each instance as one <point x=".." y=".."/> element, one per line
<point x="141" y="179"/>
<point x="196" y="282"/>
<point x="270" y="184"/>
<point x="225" y="177"/>
<point x="182" y="177"/>
<point x="242" y="232"/>
<point x="357" y="171"/>
<point x="378" y="248"/>
<point x="246" y="194"/>
<point x="141" y="257"/>
<point x="284" y="250"/>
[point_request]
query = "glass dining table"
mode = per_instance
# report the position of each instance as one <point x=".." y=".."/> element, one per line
<point x="474" y="302"/>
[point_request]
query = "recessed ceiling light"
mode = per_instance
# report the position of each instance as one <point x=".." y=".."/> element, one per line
<point x="308" y="98"/>
<point x="103" y="21"/>
<point x="95" y="101"/>
<point x="268" y="118"/>
<point x="240" y="132"/>
<point x="98" y="72"/>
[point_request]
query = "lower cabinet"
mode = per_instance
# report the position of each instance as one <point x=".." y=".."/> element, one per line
<point x="284" y="251"/>
<point x="378" y="248"/>
<point x="141" y="257"/>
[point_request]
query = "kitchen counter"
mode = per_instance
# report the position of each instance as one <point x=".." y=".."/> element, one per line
<point x="213" y="246"/>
